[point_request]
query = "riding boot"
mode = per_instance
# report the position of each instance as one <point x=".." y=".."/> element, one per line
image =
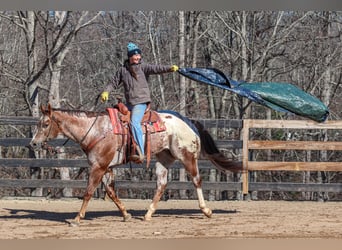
<point x="137" y="158"/>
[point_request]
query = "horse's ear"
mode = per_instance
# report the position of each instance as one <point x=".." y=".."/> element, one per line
<point x="46" y="110"/>
<point x="42" y="108"/>
<point x="49" y="108"/>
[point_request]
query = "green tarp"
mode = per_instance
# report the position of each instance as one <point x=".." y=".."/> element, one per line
<point x="284" y="97"/>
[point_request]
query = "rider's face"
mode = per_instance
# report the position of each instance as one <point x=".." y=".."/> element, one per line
<point x="135" y="59"/>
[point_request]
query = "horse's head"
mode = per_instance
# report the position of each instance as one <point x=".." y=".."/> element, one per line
<point x="46" y="129"/>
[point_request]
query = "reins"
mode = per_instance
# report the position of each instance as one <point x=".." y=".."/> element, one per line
<point x="97" y="115"/>
<point x="92" y="125"/>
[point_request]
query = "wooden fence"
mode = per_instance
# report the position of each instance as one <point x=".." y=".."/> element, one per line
<point x="249" y="165"/>
<point x="245" y="146"/>
<point x="81" y="163"/>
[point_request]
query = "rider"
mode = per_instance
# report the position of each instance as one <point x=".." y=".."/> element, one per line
<point x="133" y="74"/>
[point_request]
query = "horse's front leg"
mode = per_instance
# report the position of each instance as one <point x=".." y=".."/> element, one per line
<point x="95" y="177"/>
<point x="110" y="190"/>
<point x="161" y="173"/>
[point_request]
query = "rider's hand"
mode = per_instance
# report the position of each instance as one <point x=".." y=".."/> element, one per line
<point x="174" y="68"/>
<point x="104" y="96"/>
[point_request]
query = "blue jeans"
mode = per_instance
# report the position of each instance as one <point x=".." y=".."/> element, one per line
<point x="137" y="113"/>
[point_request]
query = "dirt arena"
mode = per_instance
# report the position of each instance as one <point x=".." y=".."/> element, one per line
<point x="174" y="219"/>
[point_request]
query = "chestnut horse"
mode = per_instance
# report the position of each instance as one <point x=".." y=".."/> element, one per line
<point x="180" y="141"/>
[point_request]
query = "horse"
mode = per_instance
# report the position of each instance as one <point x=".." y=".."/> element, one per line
<point x="183" y="139"/>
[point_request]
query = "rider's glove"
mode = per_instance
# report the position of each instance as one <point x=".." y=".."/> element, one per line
<point x="104" y="96"/>
<point x="174" y="68"/>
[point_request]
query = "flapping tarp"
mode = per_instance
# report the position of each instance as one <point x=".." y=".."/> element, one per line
<point x="283" y="97"/>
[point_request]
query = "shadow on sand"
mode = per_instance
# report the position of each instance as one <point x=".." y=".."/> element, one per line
<point x="65" y="217"/>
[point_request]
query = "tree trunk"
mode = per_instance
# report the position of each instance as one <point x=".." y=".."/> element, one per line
<point x="182" y="87"/>
<point x="36" y="173"/>
<point x="54" y="100"/>
<point x="193" y="93"/>
<point x="153" y="39"/>
<point x="326" y="95"/>
<point x="63" y="45"/>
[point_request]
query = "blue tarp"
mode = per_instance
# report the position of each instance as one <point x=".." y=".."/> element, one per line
<point x="283" y="97"/>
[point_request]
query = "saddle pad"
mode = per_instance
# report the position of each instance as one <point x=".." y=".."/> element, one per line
<point x="156" y="125"/>
<point x="116" y="123"/>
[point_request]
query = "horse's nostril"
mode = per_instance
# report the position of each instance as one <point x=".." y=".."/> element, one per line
<point x="33" y="145"/>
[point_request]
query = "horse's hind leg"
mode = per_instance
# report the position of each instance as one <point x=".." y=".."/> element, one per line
<point x="192" y="168"/>
<point x="197" y="182"/>
<point x="109" y="186"/>
<point x="161" y="173"/>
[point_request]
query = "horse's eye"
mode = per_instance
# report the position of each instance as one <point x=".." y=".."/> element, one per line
<point x="45" y="124"/>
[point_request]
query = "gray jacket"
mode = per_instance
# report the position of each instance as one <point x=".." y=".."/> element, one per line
<point x="136" y="89"/>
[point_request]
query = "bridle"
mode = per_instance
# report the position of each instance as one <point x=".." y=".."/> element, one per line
<point x="45" y="146"/>
<point x="50" y="126"/>
<point x="53" y="119"/>
<point x="66" y="141"/>
<point x="88" y="147"/>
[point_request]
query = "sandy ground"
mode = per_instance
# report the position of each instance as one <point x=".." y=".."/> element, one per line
<point x="174" y="219"/>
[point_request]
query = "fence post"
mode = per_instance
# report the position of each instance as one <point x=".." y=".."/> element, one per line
<point x="245" y="138"/>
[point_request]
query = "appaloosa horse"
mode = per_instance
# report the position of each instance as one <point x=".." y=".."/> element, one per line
<point x="93" y="131"/>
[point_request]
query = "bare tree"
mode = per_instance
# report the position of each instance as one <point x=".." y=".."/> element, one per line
<point x="28" y="77"/>
<point x="62" y="39"/>
<point x="48" y="37"/>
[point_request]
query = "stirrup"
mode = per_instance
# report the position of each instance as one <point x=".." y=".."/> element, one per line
<point x="137" y="158"/>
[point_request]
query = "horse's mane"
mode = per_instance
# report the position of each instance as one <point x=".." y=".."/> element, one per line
<point x="79" y="112"/>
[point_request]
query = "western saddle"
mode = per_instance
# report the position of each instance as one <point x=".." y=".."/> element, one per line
<point x="151" y="123"/>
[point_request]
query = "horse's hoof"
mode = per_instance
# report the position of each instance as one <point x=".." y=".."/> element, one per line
<point x="127" y="217"/>
<point x="147" y="218"/>
<point x="207" y="212"/>
<point x="74" y="224"/>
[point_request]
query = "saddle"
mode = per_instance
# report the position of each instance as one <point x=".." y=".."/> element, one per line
<point x="151" y="123"/>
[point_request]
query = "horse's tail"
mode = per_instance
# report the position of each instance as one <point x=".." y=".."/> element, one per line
<point x="210" y="151"/>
